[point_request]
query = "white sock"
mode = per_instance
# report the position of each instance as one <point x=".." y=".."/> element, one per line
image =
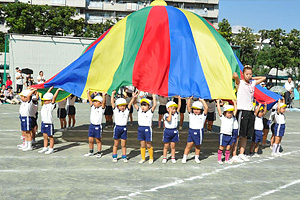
<point x="196" y="157"/>
<point x="274" y="148"/>
<point x="26" y="144"/>
<point x="278" y="148"/>
<point x="184" y="156"/>
<point x="29" y="144"/>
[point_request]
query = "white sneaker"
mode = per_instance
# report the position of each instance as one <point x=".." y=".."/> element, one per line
<point x="197" y="160"/>
<point x="21" y="146"/>
<point x="271" y="147"/>
<point x="49" y="151"/>
<point x="279" y="154"/>
<point x="27" y="149"/>
<point x="183" y="160"/>
<point x="220" y="162"/>
<point x="255" y="155"/>
<point x="125" y="160"/>
<point x="151" y="161"/>
<point x="236" y="159"/>
<point x="243" y="157"/>
<point x="173" y="160"/>
<point x="115" y="160"/>
<point x="274" y="154"/>
<point x="142" y="161"/>
<point x="98" y="155"/>
<point x="88" y="154"/>
<point x="43" y="150"/>
<point x="228" y="162"/>
<point x="164" y="161"/>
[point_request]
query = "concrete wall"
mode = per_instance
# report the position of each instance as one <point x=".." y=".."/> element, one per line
<point x="44" y="53"/>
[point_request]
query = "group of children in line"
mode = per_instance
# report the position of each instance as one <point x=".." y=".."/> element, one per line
<point x="198" y="111"/>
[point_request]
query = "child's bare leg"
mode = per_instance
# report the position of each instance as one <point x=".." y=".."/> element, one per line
<point x="143" y="144"/>
<point x="115" y="147"/>
<point x="265" y="131"/>
<point x="91" y="143"/>
<point x="272" y="139"/>
<point x="166" y="147"/>
<point x="234" y="147"/>
<point x="51" y="142"/>
<point x="99" y="144"/>
<point x="123" y="144"/>
<point x="173" y="145"/>
<point x="45" y="139"/>
<point x="197" y="150"/>
<point x="188" y="148"/>
<point x="256" y="147"/>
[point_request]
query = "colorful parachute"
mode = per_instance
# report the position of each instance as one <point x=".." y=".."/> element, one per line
<point x="158" y="49"/>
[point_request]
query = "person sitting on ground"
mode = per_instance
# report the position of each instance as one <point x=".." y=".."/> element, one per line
<point x="10" y="96"/>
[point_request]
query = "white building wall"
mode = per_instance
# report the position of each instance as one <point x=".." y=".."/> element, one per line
<point x="43" y="53"/>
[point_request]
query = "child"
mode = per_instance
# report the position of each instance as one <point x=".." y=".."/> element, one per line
<point x="162" y="109"/>
<point x="273" y="121"/>
<point x="33" y="116"/>
<point x="145" y="114"/>
<point x="171" y="135"/>
<point x="47" y="127"/>
<point x="97" y="111"/>
<point x="196" y="123"/>
<point x="62" y="114"/>
<point x="210" y="114"/>
<point x="108" y="112"/>
<point x="26" y="124"/>
<point x="121" y="113"/>
<point x="258" y="129"/>
<point x="226" y="138"/>
<point x="71" y="110"/>
<point x="279" y="128"/>
<point x="235" y="139"/>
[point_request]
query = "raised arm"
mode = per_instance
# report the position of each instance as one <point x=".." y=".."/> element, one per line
<point x="130" y="103"/>
<point x="204" y="105"/>
<point x="104" y="99"/>
<point x="265" y="108"/>
<point x="55" y="95"/>
<point x="112" y="99"/>
<point x="29" y="96"/>
<point x="235" y="107"/>
<point x="259" y="79"/>
<point x="257" y="109"/>
<point x="169" y="118"/>
<point x="179" y="104"/>
<point x="50" y="89"/>
<point x="219" y="107"/>
<point x="154" y="102"/>
<point x="188" y="104"/>
<point x="134" y="96"/>
<point x="89" y="97"/>
<point x="236" y="78"/>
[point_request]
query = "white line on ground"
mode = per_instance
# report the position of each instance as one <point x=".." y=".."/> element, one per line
<point x="202" y="176"/>
<point x="276" y="190"/>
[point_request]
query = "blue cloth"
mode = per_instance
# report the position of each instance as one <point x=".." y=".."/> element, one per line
<point x="120" y="132"/>
<point x="171" y="135"/>
<point x="145" y="133"/>
<point x="258" y="136"/>
<point x="235" y="134"/>
<point x="26" y="123"/>
<point x="95" y="131"/>
<point x="279" y="130"/>
<point x="48" y="129"/>
<point x="225" y="139"/>
<point x="196" y="136"/>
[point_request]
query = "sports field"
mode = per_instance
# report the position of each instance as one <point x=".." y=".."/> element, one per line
<point x="66" y="174"/>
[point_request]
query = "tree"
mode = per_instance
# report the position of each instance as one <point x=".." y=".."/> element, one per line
<point x="225" y="30"/>
<point x="246" y="39"/>
<point x="292" y="41"/>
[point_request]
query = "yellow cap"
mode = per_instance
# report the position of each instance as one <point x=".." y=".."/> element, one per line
<point x="282" y="105"/>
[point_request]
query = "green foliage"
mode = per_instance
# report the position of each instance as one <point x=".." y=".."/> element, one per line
<point x="225" y="30"/>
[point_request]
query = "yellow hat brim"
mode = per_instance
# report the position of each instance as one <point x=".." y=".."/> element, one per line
<point x="145" y="100"/>
<point x="196" y="108"/>
<point x="95" y="100"/>
<point x="46" y="99"/>
<point x="283" y="106"/>
<point x="122" y="104"/>
<point x="230" y="109"/>
<point x="173" y="105"/>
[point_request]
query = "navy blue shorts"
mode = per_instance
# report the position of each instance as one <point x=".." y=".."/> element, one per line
<point x="120" y="132"/>
<point x="33" y="122"/>
<point x="171" y="135"/>
<point x="145" y="133"/>
<point x="196" y="136"/>
<point x="26" y="124"/>
<point x="279" y="130"/>
<point x="258" y="136"/>
<point x="48" y="129"/>
<point x="225" y="139"/>
<point x="95" y="131"/>
<point x="235" y="134"/>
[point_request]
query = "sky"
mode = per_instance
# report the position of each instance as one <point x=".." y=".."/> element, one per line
<point x="261" y="14"/>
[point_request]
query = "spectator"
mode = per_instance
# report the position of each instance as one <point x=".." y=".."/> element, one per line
<point x="2" y="97"/>
<point x="289" y="86"/>
<point x="263" y="84"/>
<point x="8" y="81"/>
<point x="41" y="78"/>
<point x="10" y="96"/>
<point x="29" y="81"/>
<point x="19" y="78"/>
<point x="0" y="81"/>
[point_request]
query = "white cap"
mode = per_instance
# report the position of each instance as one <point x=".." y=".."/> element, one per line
<point x="98" y="98"/>
<point x="121" y="102"/>
<point x="197" y="105"/>
<point x="148" y="101"/>
<point x="228" y="108"/>
<point x="25" y="93"/>
<point x="263" y="83"/>
<point x="47" y="96"/>
<point x="171" y="103"/>
<point x="34" y="98"/>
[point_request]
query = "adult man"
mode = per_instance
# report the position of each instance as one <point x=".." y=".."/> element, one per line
<point x="289" y="86"/>
<point x="19" y="78"/>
